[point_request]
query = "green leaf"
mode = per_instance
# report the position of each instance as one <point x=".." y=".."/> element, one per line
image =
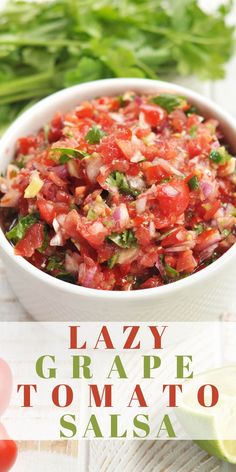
<point x="125" y="240"/>
<point x="118" y="180"/>
<point x="199" y="228"/>
<point x="170" y="272"/>
<point x="193" y="183"/>
<point x="168" y="101"/>
<point x="220" y="156"/>
<point x="69" y="153"/>
<point x="45" y="244"/>
<point x="112" y="261"/>
<point x="66" y="277"/>
<point x="94" y="135"/>
<point x="92" y="215"/>
<point x="19" y="230"/>
<point x="54" y="263"/>
<point x="193" y="131"/>
<point x="87" y="69"/>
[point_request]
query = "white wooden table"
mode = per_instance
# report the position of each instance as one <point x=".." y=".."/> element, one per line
<point x="146" y="457"/>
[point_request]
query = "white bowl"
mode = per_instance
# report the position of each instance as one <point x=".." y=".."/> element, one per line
<point x="203" y="296"/>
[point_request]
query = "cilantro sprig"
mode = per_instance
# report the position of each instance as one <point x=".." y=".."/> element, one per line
<point x="20" y="228"/>
<point x="220" y="156"/>
<point x="65" y="154"/>
<point x="125" y="240"/>
<point x="118" y="180"/>
<point x="94" y="135"/>
<point x="169" y="101"/>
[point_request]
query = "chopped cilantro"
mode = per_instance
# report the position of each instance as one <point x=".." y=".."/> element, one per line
<point x="94" y="135"/>
<point x="66" y="277"/>
<point x="112" y="261"/>
<point x="118" y="180"/>
<point x="220" y="156"/>
<point x="125" y="240"/>
<point x="199" y="228"/>
<point x="92" y="215"/>
<point x="225" y="233"/>
<point x="168" y="101"/>
<point x="19" y="230"/>
<point x="45" y="244"/>
<point x="70" y="153"/>
<point x="172" y="273"/>
<point x="63" y="159"/>
<point x="193" y="183"/>
<point x="54" y="263"/>
<point x="191" y="110"/>
<point x="193" y="131"/>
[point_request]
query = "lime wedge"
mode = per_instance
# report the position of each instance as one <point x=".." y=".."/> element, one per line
<point x="213" y="429"/>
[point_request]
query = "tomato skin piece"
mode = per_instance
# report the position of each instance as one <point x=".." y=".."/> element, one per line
<point x="186" y="262"/>
<point x="152" y="282"/>
<point x="8" y="454"/>
<point x="173" y="197"/>
<point x="154" y="115"/>
<point x="32" y="240"/>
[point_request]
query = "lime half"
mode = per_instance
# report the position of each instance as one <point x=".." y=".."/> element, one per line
<point x="213" y="429"/>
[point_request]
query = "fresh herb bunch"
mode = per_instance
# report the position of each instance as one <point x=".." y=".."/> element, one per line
<point x="51" y="45"/>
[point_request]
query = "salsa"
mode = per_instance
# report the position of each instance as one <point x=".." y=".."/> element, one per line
<point x="122" y="193"/>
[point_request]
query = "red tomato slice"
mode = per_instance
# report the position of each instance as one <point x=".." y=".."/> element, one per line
<point x="173" y="197"/>
<point x="32" y="240"/>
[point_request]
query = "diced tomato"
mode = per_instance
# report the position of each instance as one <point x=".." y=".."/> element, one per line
<point x="154" y="115"/>
<point x="143" y="235"/>
<point x="85" y="110"/>
<point x="186" y="262"/>
<point x="32" y="240"/>
<point x="194" y="148"/>
<point x="55" y="130"/>
<point x="49" y="210"/>
<point x="207" y="238"/>
<point x="211" y="210"/>
<point x="25" y="144"/>
<point x="178" y="120"/>
<point x="155" y="281"/>
<point x="173" y="197"/>
<point x="175" y="237"/>
<point x="155" y="174"/>
<point x="127" y="148"/>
